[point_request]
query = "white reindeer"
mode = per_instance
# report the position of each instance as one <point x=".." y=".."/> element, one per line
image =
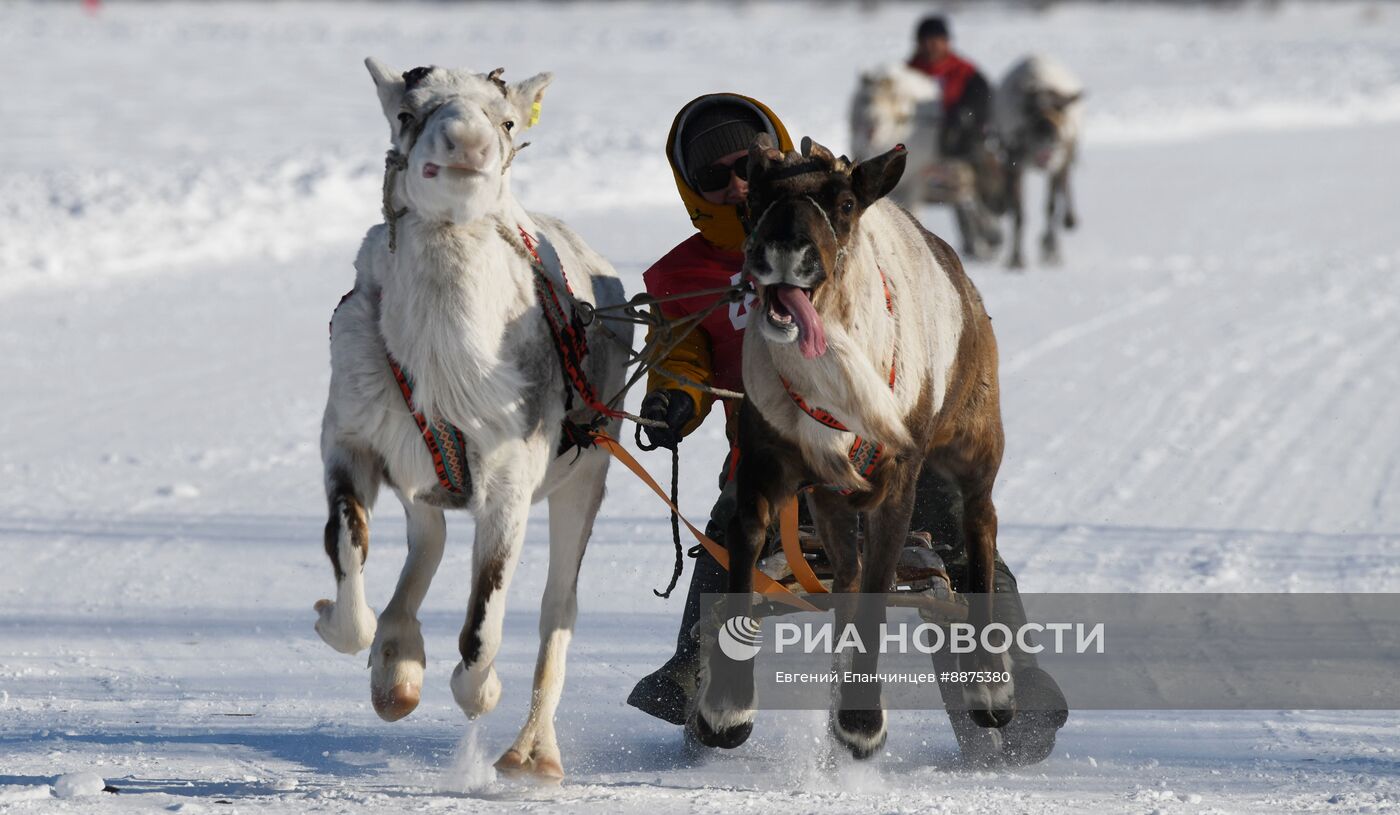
<point x="896" y="104"/>
<point x="447" y="291"/>
<point x="1038" y="112"/>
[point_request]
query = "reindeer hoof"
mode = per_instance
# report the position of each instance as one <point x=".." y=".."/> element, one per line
<point x="395" y="703"/>
<point x="1070" y="221"/>
<point x="476" y="691"/>
<point x="348" y="632"/>
<point x="992" y="718"/>
<point x="860" y="731"/>
<point x="542" y="769"/>
<point x="725" y="739"/>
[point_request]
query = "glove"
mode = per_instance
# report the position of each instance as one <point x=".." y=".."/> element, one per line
<point x="675" y="408"/>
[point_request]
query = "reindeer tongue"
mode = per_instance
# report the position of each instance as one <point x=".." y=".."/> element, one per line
<point x="811" y="336"/>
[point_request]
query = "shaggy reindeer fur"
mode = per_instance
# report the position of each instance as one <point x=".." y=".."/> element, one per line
<point x="453" y="301"/>
<point x="822" y="238"/>
<point x="1038" y="114"/>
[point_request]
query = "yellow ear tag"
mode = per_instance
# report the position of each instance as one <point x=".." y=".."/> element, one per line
<point x="534" y="115"/>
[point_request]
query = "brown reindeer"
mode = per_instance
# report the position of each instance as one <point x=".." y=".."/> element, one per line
<point x="871" y="359"/>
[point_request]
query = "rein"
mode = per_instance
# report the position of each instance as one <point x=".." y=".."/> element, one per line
<point x="394" y="163"/>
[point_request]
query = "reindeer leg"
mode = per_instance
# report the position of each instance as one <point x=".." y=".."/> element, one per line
<point x="511" y="473"/>
<point x="1071" y="221"/>
<point x="724" y="711"/>
<point x="859" y="720"/>
<point x="1018" y="216"/>
<point x="991" y="704"/>
<point x="1049" y="242"/>
<point x="398" y="659"/>
<point x="572" y="508"/>
<point x="352" y="481"/>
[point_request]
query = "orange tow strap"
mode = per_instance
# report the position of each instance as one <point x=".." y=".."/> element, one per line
<point x="762" y="582"/>
<point x="792" y="549"/>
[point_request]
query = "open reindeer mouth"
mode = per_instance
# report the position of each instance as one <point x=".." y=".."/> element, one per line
<point x="431" y="170"/>
<point x="789" y="309"/>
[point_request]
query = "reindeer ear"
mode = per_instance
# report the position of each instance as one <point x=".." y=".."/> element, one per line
<point x="1064" y="100"/>
<point x="390" y="86"/>
<point x="526" y="97"/>
<point x="874" y="178"/>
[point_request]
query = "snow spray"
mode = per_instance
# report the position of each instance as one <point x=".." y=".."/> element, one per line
<point x="470" y="770"/>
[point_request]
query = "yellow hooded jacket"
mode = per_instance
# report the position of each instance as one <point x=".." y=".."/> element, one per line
<point x="718" y="225"/>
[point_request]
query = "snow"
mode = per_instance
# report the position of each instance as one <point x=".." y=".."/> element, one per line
<point x="1201" y="399"/>
<point x="78" y="785"/>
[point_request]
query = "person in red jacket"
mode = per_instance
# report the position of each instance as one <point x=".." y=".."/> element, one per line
<point x="708" y="151"/>
<point x="967" y="95"/>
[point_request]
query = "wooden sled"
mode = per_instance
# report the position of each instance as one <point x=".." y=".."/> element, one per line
<point x="921" y="580"/>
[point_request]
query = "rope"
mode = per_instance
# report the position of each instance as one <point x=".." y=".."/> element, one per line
<point x="761" y="582"/>
<point x="675" y="521"/>
<point x="723" y="393"/>
<point x="394" y="163"/>
<point x="647" y="447"/>
<point x="649" y="357"/>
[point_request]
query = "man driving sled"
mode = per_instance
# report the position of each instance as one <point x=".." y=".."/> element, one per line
<point x="707" y="148"/>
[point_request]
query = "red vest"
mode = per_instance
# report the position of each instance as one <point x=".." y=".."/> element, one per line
<point x="952" y="73"/>
<point x="695" y="265"/>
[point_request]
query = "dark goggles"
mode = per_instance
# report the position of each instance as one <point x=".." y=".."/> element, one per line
<point x="716" y="176"/>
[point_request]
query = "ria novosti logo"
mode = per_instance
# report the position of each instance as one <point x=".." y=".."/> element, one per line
<point x="741" y="638"/>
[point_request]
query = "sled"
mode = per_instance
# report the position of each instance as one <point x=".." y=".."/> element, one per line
<point x="921" y="580"/>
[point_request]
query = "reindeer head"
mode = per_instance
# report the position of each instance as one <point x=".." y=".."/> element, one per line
<point x="1045" y="116"/>
<point x="888" y="106"/>
<point x="804" y="210"/>
<point x="457" y="131"/>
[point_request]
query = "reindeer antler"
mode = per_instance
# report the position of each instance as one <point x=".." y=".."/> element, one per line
<point x="766" y="148"/>
<point x="495" y="76"/>
<point x="811" y="149"/>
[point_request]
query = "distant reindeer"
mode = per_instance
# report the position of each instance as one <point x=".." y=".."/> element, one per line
<point x="1038" y="116"/>
<point x="895" y="104"/>
<point x="869" y="359"/>
<point x="446" y="384"/>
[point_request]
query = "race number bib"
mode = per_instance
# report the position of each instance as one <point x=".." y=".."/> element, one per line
<point x="739" y="310"/>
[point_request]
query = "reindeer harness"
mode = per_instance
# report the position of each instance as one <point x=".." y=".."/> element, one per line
<point x="864" y="454"/>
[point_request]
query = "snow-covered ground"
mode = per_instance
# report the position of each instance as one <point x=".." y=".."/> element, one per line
<point x="1202" y="398"/>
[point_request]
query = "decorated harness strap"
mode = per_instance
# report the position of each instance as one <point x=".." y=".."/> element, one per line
<point x="445" y="442"/>
<point x="864" y="453"/>
<point x="567" y="328"/>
